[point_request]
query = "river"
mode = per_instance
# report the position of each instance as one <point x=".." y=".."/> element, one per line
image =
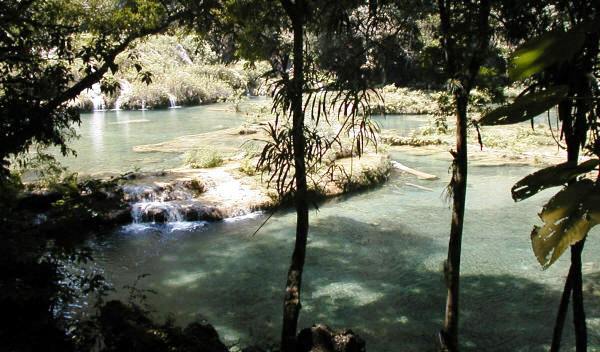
<point x="374" y="261"/>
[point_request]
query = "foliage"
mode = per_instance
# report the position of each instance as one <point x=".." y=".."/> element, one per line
<point x="43" y="235"/>
<point x="181" y="66"/>
<point x="43" y="39"/>
<point x="540" y="57"/>
<point x="525" y="107"/>
<point x="396" y="100"/>
<point x="546" y="50"/>
<point x="550" y="177"/>
<point x="248" y="166"/>
<point x="567" y="217"/>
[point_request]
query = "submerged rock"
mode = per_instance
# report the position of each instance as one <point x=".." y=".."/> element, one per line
<point x="320" y="338"/>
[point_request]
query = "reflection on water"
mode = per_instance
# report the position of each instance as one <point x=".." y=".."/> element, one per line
<point x="373" y="264"/>
<point x="107" y="137"/>
<point x="96" y="132"/>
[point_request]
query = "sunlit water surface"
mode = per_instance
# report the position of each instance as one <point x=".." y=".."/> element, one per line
<point x="106" y="138"/>
<point x="374" y="260"/>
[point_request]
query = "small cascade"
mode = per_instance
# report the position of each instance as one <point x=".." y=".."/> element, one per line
<point x="153" y="204"/>
<point x="125" y="94"/>
<point x="156" y="212"/>
<point x="235" y="198"/>
<point x="95" y="95"/>
<point x="170" y="203"/>
<point x="143" y="108"/>
<point x="172" y="101"/>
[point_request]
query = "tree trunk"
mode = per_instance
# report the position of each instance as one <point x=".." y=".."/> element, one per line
<point x="449" y="333"/>
<point x="291" y="304"/>
<point x="578" y="311"/>
<point x="574" y="281"/>
<point x="562" y="312"/>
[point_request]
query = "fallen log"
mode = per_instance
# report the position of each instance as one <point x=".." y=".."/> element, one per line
<point x="420" y="174"/>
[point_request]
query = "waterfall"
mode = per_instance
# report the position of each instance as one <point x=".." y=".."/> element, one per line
<point x="183" y="55"/>
<point x="143" y="105"/>
<point x="178" y="201"/>
<point x="95" y="95"/>
<point x="126" y="90"/>
<point x="156" y="211"/>
<point x="154" y="204"/>
<point x="172" y="101"/>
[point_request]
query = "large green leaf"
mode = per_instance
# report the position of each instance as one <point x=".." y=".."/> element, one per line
<point x="552" y="176"/>
<point x="525" y="107"/>
<point x="544" y="51"/>
<point x="567" y="217"/>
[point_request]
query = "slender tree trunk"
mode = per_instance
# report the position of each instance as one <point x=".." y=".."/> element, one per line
<point x="464" y="71"/>
<point x="459" y="189"/>
<point x="574" y="282"/>
<point x="578" y="136"/>
<point x="578" y="311"/>
<point x="291" y="304"/>
<point x="562" y="312"/>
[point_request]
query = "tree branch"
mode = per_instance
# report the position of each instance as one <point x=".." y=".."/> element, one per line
<point x="109" y="59"/>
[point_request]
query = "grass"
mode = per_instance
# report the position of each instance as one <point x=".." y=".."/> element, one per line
<point x="248" y="167"/>
<point x="405" y="101"/>
<point x="204" y="159"/>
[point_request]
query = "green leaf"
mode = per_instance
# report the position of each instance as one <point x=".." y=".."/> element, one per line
<point x="552" y="176"/>
<point x="544" y="51"/>
<point x="525" y="107"/>
<point x="567" y="217"/>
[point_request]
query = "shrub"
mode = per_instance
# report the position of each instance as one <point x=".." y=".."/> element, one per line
<point x="248" y="167"/>
<point x="204" y="158"/>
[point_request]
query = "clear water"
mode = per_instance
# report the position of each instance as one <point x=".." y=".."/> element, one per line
<point x="373" y="264"/>
<point x="107" y="138"/>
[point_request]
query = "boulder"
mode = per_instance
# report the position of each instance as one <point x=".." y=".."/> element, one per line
<point x="155" y="214"/>
<point x="39" y="201"/>
<point x="202" y="338"/>
<point x="197" y="211"/>
<point x="130" y="328"/>
<point x="195" y="185"/>
<point x="320" y="338"/>
<point x="118" y="216"/>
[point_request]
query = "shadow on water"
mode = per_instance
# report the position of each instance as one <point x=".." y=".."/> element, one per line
<point x="357" y="275"/>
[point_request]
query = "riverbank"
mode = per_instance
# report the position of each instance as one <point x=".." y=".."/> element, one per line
<point x="500" y="145"/>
